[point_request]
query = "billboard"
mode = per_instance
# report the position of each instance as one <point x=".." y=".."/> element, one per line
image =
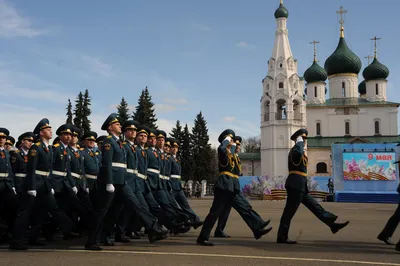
<point x="375" y="166"/>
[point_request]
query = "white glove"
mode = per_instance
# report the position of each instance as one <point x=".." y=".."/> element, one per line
<point x="75" y="190"/>
<point x="110" y="188"/>
<point x="52" y="191"/>
<point x="15" y="192"/>
<point x="32" y="192"/>
<point x="228" y="138"/>
<point x="87" y="190"/>
<point x="299" y="139"/>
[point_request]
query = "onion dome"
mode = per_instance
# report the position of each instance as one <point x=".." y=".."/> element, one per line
<point x="281" y="12"/>
<point x="375" y="71"/>
<point x="315" y="73"/>
<point x="343" y="60"/>
<point x="362" y="88"/>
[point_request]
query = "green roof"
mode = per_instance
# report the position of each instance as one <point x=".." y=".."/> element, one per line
<point x="281" y="12"/>
<point x="375" y="71"/>
<point x="250" y="155"/>
<point x="315" y="73"/>
<point x="326" y="142"/>
<point x="343" y="60"/>
<point x="362" y="87"/>
<point x="348" y="102"/>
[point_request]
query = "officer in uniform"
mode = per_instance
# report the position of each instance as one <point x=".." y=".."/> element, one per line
<point x="8" y="193"/>
<point x="297" y="191"/>
<point x="9" y="143"/>
<point x="226" y="187"/>
<point x="176" y="185"/>
<point x="19" y="160"/>
<point x="111" y="184"/>
<point x="91" y="163"/>
<point x="99" y="142"/>
<point x="77" y="169"/>
<point x="126" y="221"/>
<point x="38" y="188"/>
<point x="242" y="206"/>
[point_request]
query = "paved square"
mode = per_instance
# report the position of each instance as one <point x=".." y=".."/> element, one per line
<point x="354" y="245"/>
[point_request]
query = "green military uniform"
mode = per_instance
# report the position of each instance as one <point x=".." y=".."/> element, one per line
<point x="111" y="184"/>
<point x="242" y="206"/>
<point x="91" y="160"/>
<point x="174" y="170"/>
<point x="38" y="188"/>
<point x="9" y="143"/>
<point x="19" y="162"/>
<point x="7" y="187"/>
<point x="297" y="191"/>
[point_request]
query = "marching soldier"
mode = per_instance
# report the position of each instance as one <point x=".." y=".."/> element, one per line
<point x="176" y="185"/>
<point x="111" y="184"/>
<point x="226" y="187"/>
<point x="242" y="206"/>
<point x="7" y="187"/>
<point x="38" y="188"/>
<point x="77" y="168"/>
<point x="19" y="160"/>
<point x="91" y="163"/>
<point x="297" y="191"/>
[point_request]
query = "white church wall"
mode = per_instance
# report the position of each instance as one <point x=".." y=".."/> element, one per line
<point x="361" y="124"/>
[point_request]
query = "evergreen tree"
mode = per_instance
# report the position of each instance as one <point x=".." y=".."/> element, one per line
<point x="78" y="111"/>
<point x="123" y="111"/>
<point x="178" y="134"/>
<point x="201" y="150"/>
<point x="69" y="112"/>
<point x="87" y="102"/>
<point x="145" y="110"/>
<point x="186" y="155"/>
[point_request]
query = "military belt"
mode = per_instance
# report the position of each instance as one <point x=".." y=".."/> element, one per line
<point x="228" y="174"/>
<point x="120" y="165"/>
<point x="91" y="176"/>
<point x="76" y="175"/>
<point x="20" y="175"/>
<point x="298" y="173"/>
<point x="153" y="170"/>
<point x="59" y="173"/>
<point x="164" y="177"/>
<point x="38" y="172"/>
<point x="3" y="174"/>
<point x="142" y="176"/>
<point x="132" y="171"/>
<point x="176" y="176"/>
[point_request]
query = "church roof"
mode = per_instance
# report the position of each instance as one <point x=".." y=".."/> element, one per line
<point x="281" y="12"/>
<point x="375" y="71"/>
<point x="315" y="73"/>
<point x="350" y="102"/>
<point x="326" y="142"/>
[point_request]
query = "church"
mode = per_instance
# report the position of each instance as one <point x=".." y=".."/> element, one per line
<point x="329" y="101"/>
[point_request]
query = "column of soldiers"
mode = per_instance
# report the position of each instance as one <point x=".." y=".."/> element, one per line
<point x="130" y="181"/>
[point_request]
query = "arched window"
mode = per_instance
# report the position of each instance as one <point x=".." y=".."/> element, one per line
<point x="267" y="87"/>
<point x="280" y="85"/>
<point x="296" y="110"/>
<point x="280" y="65"/>
<point x="266" y="111"/>
<point x="281" y="110"/>
<point x="318" y="129"/>
<point x="322" y="168"/>
<point x="377" y="127"/>
<point x="315" y="91"/>
<point x="343" y="89"/>
<point x="376" y="89"/>
<point x="347" y="128"/>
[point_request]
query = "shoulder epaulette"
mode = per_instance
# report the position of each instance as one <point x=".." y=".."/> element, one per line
<point x="146" y="148"/>
<point x="37" y="143"/>
<point x="97" y="153"/>
<point x="82" y="149"/>
<point x="135" y="145"/>
<point x="56" y="145"/>
<point x="124" y="142"/>
<point x="109" y="136"/>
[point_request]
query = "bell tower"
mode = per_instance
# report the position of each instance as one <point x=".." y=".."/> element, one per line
<point x="283" y="109"/>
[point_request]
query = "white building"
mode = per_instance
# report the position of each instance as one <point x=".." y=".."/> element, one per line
<point x="354" y="112"/>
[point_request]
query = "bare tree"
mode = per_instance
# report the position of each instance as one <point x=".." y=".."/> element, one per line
<point x="251" y="144"/>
